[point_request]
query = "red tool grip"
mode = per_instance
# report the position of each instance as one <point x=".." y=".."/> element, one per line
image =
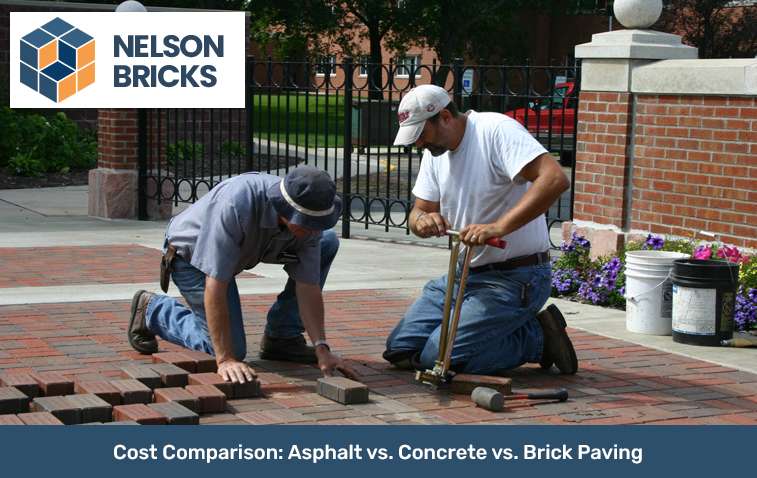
<point x="496" y="242"/>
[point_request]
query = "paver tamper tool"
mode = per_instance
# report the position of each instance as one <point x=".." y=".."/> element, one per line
<point x="441" y="376"/>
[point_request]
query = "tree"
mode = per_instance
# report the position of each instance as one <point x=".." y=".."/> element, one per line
<point x="718" y="28"/>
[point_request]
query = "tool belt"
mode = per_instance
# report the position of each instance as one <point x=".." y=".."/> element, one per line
<point x="166" y="267"/>
<point x="522" y="261"/>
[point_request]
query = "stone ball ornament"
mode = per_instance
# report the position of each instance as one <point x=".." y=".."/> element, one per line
<point x="131" y="6"/>
<point x="637" y="13"/>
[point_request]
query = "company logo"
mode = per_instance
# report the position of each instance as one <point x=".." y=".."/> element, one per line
<point x="402" y="116"/>
<point x="57" y="60"/>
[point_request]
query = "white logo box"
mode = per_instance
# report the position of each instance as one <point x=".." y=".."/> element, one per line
<point x="158" y="35"/>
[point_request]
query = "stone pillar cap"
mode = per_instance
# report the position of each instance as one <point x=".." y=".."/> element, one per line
<point x="635" y="45"/>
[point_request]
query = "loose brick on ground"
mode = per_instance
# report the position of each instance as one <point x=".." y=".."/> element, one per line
<point x="10" y="420"/>
<point x="132" y="391"/>
<point x="143" y="373"/>
<point x="176" y="358"/>
<point x="63" y="409"/>
<point x="342" y="390"/>
<point x="139" y="413"/>
<point x="22" y="381"/>
<point x="212" y="400"/>
<point x="247" y="389"/>
<point x="204" y="363"/>
<point x="212" y="379"/>
<point x="102" y="388"/>
<point x="465" y="383"/>
<point x="178" y="395"/>
<point x="53" y="383"/>
<point x="175" y="413"/>
<point x="13" y="401"/>
<point x="93" y="408"/>
<point x="39" y="418"/>
<point x="171" y="375"/>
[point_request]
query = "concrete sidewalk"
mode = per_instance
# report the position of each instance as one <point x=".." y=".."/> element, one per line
<point x="56" y="217"/>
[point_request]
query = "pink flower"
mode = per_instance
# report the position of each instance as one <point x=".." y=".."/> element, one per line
<point x="731" y="254"/>
<point x="703" y="253"/>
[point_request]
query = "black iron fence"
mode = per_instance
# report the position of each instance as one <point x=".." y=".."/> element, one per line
<point x="342" y="117"/>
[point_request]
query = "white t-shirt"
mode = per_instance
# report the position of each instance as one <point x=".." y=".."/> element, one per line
<point x="478" y="182"/>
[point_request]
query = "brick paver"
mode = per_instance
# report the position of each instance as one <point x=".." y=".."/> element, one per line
<point x="618" y="382"/>
<point x="57" y="266"/>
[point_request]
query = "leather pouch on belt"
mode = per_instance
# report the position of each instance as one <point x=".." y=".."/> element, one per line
<point x="166" y="267"/>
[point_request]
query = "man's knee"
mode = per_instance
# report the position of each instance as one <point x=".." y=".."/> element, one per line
<point x="329" y="244"/>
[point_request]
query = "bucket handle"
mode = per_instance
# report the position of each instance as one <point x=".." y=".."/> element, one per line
<point x="634" y="299"/>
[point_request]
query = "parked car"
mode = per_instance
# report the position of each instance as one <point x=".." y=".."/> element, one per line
<point x="552" y="120"/>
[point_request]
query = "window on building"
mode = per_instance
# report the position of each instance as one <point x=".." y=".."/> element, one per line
<point x="408" y="64"/>
<point x="326" y="64"/>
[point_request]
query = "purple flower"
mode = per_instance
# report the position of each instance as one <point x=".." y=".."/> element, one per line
<point x="745" y="312"/>
<point x="576" y="242"/>
<point x="565" y="280"/>
<point x="654" y="243"/>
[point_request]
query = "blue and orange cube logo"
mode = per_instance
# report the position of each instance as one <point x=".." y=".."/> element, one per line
<point x="57" y="60"/>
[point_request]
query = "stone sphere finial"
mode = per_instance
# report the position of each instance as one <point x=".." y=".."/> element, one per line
<point x="637" y="13"/>
<point x="131" y="6"/>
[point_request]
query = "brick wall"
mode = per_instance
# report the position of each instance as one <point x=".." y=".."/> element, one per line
<point x="117" y="139"/>
<point x="695" y="166"/>
<point x="603" y="136"/>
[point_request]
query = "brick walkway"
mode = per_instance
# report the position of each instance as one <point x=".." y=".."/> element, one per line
<point x="56" y="266"/>
<point x="619" y="383"/>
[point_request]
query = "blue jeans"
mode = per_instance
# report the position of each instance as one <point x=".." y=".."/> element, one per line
<point x="498" y="328"/>
<point x="171" y="320"/>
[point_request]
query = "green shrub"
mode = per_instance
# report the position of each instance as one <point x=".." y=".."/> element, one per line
<point x="52" y="144"/>
<point x="24" y="164"/>
<point x="181" y="151"/>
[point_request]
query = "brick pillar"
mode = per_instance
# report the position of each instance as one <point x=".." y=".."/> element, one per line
<point x="604" y="157"/>
<point x="113" y="186"/>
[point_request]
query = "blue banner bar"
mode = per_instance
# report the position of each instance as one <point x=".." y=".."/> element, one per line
<point x="690" y="451"/>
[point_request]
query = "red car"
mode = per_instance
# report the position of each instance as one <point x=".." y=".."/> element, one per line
<point x="560" y="110"/>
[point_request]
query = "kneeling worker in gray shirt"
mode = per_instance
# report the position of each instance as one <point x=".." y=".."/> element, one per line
<point x="241" y="222"/>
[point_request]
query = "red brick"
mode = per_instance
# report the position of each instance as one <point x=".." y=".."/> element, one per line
<point x="176" y="414"/>
<point x="144" y="373"/>
<point x="12" y="400"/>
<point x="63" y="409"/>
<point x="53" y="383"/>
<point x="204" y="363"/>
<point x="22" y="381"/>
<point x="91" y="407"/>
<point x="171" y="375"/>
<point x="211" y="399"/>
<point x="139" y="413"/>
<point x="342" y="390"/>
<point x="175" y="358"/>
<point x="39" y="418"/>
<point x="132" y="391"/>
<point x="103" y="389"/>
<point x="212" y="379"/>
<point x="10" y="420"/>
<point x="178" y="395"/>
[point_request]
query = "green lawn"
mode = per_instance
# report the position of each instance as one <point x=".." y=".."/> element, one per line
<point x="305" y="120"/>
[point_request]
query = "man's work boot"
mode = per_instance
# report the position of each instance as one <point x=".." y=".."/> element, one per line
<point x="140" y="337"/>
<point x="292" y="349"/>
<point x="558" y="348"/>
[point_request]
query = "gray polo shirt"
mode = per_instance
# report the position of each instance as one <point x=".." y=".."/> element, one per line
<point x="234" y="227"/>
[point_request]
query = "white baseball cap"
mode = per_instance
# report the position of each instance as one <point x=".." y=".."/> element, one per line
<point x="420" y="104"/>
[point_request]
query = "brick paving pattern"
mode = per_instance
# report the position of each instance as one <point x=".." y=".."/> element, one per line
<point x="619" y="382"/>
<point x="59" y="266"/>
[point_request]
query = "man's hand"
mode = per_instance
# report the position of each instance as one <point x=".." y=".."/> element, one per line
<point x="329" y="362"/>
<point x="429" y="224"/>
<point x="236" y="371"/>
<point x="477" y="234"/>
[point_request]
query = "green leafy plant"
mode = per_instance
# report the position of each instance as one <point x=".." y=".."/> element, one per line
<point x="24" y="164"/>
<point x="183" y="151"/>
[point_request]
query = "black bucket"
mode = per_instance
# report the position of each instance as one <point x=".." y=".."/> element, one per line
<point x="704" y="295"/>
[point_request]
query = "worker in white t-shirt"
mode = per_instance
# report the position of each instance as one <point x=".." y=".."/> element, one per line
<point x="485" y="175"/>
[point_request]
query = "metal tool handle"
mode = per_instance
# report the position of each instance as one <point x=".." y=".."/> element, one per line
<point x="557" y="394"/>
<point x="493" y="241"/>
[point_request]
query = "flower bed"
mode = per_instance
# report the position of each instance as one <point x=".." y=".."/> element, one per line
<point x="602" y="281"/>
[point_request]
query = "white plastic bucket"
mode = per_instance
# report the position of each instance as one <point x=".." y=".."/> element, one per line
<point x="649" y="291"/>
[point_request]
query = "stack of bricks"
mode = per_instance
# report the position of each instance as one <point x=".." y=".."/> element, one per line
<point x="175" y="389"/>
